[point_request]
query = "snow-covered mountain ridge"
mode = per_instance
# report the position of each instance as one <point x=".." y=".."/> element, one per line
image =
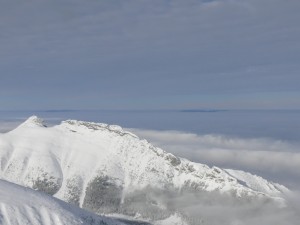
<point x="100" y="167"/>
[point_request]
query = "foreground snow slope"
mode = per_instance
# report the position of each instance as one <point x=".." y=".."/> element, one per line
<point x="93" y="165"/>
<point x="20" y="206"/>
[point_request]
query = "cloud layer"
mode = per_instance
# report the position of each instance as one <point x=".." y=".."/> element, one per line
<point x="272" y="159"/>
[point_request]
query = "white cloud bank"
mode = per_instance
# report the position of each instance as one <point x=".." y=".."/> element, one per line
<point x="273" y="159"/>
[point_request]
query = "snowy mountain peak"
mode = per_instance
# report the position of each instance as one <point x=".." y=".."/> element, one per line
<point x="106" y="169"/>
<point x="33" y="121"/>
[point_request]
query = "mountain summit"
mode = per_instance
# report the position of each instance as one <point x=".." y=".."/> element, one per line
<point x="105" y="169"/>
<point x="34" y="121"/>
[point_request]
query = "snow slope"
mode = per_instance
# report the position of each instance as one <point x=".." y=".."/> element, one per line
<point x="20" y="206"/>
<point x="257" y="183"/>
<point x="99" y="166"/>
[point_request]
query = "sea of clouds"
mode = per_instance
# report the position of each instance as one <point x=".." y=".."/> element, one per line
<point x="273" y="159"/>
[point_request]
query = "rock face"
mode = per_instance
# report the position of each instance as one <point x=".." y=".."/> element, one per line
<point x="100" y="167"/>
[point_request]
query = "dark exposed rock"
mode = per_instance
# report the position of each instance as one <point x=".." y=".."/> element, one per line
<point x="102" y="195"/>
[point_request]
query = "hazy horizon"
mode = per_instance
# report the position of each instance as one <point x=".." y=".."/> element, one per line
<point x="276" y="124"/>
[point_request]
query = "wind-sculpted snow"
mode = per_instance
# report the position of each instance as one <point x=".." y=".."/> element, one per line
<point x="105" y="169"/>
<point x="20" y="205"/>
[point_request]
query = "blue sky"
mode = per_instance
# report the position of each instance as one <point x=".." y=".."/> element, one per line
<point x="116" y="54"/>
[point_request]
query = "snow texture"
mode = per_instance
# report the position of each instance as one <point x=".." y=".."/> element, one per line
<point x="20" y="206"/>
<point x="99" y="167"/>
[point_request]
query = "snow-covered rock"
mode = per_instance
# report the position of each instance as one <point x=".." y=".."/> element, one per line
<point x="100" y="167"/>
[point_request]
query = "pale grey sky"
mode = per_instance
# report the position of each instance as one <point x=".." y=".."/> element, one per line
<point x="160" y="54"/>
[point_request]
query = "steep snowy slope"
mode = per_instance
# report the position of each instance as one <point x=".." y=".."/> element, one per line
<point x="104" y="168"/>
<point x="20" y="206"/>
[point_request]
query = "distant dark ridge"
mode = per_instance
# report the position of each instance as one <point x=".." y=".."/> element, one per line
<point x="151" y="110"/>
<point x="60" y="110"/>
<point x="203" y="110"/>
